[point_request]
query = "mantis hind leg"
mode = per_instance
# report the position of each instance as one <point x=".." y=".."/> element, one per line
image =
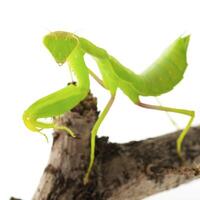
<point x="168" y="115"/>
<point x="175" y="110"/>
<point x="93" y="136"/>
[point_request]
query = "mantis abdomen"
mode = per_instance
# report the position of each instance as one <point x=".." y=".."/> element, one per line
<point x="168" y="70"/>
<point x="159" y="78"/>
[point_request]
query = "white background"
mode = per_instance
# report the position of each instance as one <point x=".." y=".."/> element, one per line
<point x="133" y="31"/>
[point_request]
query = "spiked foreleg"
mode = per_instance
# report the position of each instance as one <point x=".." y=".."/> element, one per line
<point x="54" y="104"/>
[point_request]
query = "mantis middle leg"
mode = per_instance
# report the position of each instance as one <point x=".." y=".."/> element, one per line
<point x="175" y="110"/>
<point x="93" y="136"/>
<point x="98" y="80"/>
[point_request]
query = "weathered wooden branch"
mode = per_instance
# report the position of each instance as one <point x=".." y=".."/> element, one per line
<point x="129" y="171"/>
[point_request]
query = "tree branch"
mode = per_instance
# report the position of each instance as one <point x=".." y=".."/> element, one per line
<point x="129" y="171"/>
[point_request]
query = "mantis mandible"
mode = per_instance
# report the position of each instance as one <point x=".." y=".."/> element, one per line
<point x="159" y="78"/>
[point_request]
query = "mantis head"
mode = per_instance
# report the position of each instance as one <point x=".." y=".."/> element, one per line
<point x="60" y="44"/>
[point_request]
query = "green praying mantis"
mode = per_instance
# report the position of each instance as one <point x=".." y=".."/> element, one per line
<point x="69" y="48"/>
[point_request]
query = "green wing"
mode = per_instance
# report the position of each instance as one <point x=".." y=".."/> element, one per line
<point x="167" y="70"/>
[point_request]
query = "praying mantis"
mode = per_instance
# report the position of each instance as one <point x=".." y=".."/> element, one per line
<point x="166" y="72"/>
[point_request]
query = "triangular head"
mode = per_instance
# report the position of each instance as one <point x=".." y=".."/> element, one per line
<point x="60" y="44"/>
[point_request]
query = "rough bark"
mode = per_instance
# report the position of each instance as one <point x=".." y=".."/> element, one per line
<point x="129" y="171"/>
